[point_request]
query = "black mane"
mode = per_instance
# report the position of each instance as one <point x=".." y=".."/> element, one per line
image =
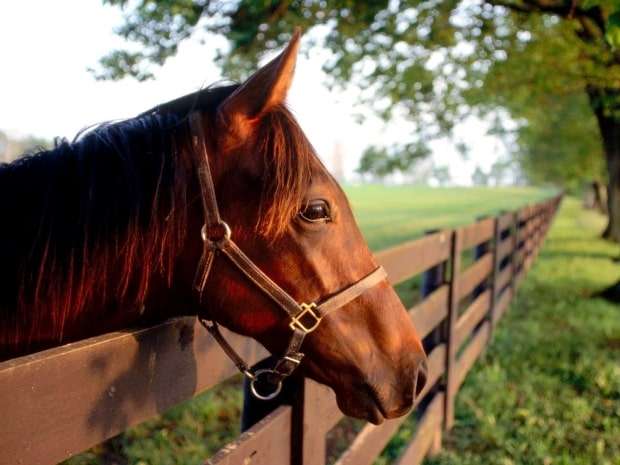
<point x="89" y="225"/>
<point x="120" y="183"/>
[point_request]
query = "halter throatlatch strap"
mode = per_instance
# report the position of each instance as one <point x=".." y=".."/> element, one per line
<point x="304" y="318"/>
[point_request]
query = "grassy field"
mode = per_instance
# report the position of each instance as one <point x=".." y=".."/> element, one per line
<point x="548" y="390"/>
<point x="389" y="215"/>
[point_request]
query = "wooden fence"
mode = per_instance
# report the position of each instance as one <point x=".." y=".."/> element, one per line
<point x="61" y="401"/>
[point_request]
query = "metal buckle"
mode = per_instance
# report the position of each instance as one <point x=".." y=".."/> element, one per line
<point x="220" y="241"/>
<point x="306" y="309"/>
<point x="255" y="378"/>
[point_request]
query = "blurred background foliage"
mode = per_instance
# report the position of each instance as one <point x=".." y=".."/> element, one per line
<point x="539" y="66"/>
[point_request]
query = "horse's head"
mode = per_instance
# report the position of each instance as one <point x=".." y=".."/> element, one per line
<point x="294" y="222"/>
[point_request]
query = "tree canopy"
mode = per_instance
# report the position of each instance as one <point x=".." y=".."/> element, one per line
<point x="560" y="145"/>
<point x="431" y="61"/>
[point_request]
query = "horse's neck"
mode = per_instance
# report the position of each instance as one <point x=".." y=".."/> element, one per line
<point x="82" y="233"/>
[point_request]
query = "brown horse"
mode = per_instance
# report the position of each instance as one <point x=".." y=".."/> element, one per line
<point x="105" y="232"/>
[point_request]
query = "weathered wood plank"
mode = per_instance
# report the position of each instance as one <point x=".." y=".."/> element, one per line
<point x="476" y="233"/>
<point x="407" y="260"/>
<point x="518" y="257"/>
<point x="321" y="401"/>
<point x="525" y="213"/>
<point x="436" y="367"/>
<point x="519" y="276"/>
<point x="431" y="311"/>
<point x="369" y="442"/>
<point x="505" y="247"/>
<point x="502" y="303"/>
<point x="61" y="401"/>
<point x="470" y="354"/>
<point x="266" y="443"/>
<point x="320" y="414"/>
<point x="471" y="317"/>
<point x="504" y="278"/>
<point x="474" y="275"/>
<point x="426" y="429"/>
<point x="505" y="221"/>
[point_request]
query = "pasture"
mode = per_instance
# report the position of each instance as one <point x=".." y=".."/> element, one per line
<point x="548" y="390"/>
<point x="486" y="423"/>
<point x="389" y="215"/>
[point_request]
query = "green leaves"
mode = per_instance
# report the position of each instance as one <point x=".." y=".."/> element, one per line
<point x="121" y="63"/>
<point x="432" y="62"/>
<point x="380" y="162"/>
<point x="612" y="30"/>
<point x="589" y="4"/>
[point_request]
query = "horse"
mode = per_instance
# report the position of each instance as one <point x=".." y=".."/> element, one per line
<point x="109" y="230"/>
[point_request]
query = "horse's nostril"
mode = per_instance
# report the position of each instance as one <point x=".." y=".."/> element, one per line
<point x="421" y="377"/>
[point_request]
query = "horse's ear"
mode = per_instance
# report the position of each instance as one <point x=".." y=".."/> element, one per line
<point x="265" y="89"/>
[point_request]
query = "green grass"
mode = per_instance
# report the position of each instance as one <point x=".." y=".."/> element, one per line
<point x="389" y="215"/>
<point x="548" y="390"/>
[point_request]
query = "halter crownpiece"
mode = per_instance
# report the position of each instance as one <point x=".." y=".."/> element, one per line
<point x="305" y="317"/>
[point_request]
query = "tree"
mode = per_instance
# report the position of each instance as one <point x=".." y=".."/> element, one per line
<point x="380" y="161"/>
<point x="479" y="177"/>
<point x="431" y="61"/>
<point x="374" y="162"/>
<point x="558" y="144"/>
<point x="441" y="174"/>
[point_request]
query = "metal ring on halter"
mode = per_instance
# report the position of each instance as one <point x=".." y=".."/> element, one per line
<point x="219" y="242"/>
<point x="258" y="394"/>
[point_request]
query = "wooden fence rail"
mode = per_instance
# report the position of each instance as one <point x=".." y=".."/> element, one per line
<point x="62" y="401"/>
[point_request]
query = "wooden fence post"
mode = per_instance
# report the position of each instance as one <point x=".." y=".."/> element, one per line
<point x="491" y="317"/>
<point x="293" y="394"/>
<point x="515" y="251"/>
<point x="453" y="309"/>
<point x="308" y="445"/>
<point x="536" y="230"/>
<point x="432" y="279"/>
<point x="528" y="238"/>
<point x="538" y="225"/>
<point x="519" y="247"/>
<point x="479" y="251"/>
<point x="254" y="410"/>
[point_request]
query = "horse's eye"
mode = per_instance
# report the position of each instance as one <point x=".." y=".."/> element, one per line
<point x="315" y="211"/>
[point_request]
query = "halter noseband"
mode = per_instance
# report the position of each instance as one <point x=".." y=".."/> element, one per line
<point x="305" y="318"/>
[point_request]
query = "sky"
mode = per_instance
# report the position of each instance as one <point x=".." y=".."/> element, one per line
<point x="46" y="48"/>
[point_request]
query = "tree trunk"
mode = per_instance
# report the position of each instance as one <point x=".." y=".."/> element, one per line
<point x="613" y="200"/>
<point x="609" y="125"/>
<point x="600" y="194"/>
<point x="595" y="198"/>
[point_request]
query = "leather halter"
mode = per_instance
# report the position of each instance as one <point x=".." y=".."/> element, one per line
<point x="304" y="317"/>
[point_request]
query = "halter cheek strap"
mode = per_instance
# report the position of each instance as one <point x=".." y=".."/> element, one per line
<point x="304" y="317"/>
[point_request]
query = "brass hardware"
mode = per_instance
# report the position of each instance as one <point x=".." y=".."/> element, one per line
<point x="306" y="309"/>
